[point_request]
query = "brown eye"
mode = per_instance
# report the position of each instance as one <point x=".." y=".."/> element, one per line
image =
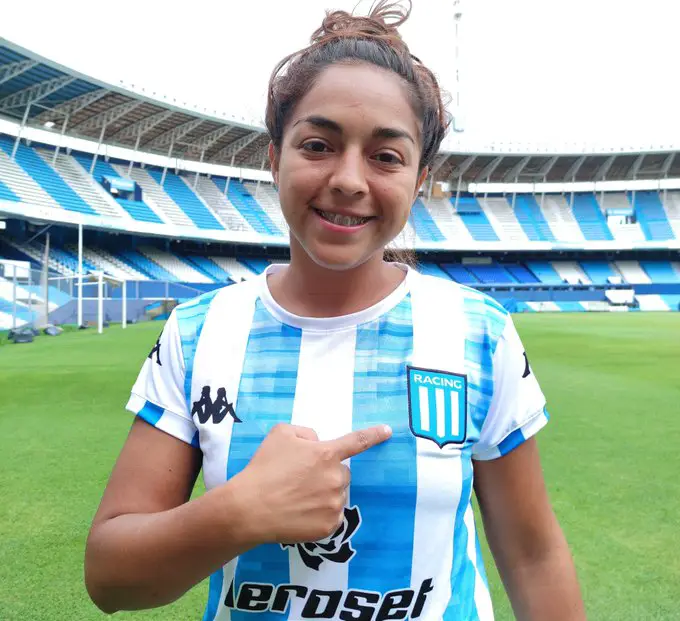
<point x="315" y="146"/>
<point x="388" y="158"/>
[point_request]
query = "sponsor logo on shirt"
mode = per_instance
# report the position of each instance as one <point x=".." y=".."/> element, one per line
<point x="350" y="605"/>
<point x="437" y="405"/>
<point x="336" y="548"/>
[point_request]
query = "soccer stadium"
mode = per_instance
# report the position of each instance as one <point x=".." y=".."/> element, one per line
<point x="116" y="205"/>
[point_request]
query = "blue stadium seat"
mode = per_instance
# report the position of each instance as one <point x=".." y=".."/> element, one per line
<point x="521" y="273"/>
<point x="46" y="177"/>
<point x="529" y="215"/>
<point x="6" y="194"/>
<point x="652" y="216"/>
<point x="146" y="266"/>
<point x="139" y="211"/>
<point x="570" y="307"/>
<point x="474" y="219"/>
<point x="599" y="272"/>
<point x="187" y="200"/>
<point x="257" y="265"/>
<point x="672" y="300"/>
<point x="22" y="312"/>
<point x="247" y="206"/>
<point x="491" y="273"/>
<point x="458" y="273"/>
<point x="590" y="218"/>
<point x="660" y="271"/>
<point x="424" y="224"/>
<point x="432" y="269"/>
<point x="545" y="272"/>
<point x="209" y="268"/>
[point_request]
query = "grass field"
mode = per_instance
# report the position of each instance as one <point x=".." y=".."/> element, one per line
<point x="611" y="456"/>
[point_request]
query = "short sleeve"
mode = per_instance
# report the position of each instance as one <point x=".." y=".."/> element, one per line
<point x="517" y="410"/>
<point x="158" y="394"/>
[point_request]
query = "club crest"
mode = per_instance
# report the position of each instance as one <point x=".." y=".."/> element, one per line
<point x="437" y="405"/>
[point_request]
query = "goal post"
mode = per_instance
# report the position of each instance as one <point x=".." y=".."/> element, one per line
<point x="89" y="294"/>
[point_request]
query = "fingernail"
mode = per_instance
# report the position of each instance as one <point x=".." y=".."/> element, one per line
<point x="387" y="429"/>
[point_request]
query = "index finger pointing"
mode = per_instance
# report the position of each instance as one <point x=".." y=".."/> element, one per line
<point x="359" y="441"/>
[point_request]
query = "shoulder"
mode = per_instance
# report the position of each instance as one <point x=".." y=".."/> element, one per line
<point x="196" y="309"/>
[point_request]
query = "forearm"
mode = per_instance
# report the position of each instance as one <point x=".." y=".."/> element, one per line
<point x="544" y="586"/>
<point x="137" y="561"/>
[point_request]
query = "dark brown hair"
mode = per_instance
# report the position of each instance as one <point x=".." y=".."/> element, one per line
<point x="346" y="38"/>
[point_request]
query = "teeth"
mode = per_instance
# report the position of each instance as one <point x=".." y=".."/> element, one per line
<point x="336" y="218"/>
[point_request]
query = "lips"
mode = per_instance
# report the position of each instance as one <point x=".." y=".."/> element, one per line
<point x="342" y="219"/>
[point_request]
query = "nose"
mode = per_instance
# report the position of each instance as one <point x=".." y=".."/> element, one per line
<point x="349" y="175"/>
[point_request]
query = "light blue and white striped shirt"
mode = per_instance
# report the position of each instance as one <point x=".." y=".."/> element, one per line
<point x="440" y="363"/>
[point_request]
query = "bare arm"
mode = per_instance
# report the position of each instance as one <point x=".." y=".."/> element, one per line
<point x="526" y="541"/>
<point x="148" y="545"/>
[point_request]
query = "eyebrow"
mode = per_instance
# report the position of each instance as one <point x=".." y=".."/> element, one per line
<point x="378" y="132"/>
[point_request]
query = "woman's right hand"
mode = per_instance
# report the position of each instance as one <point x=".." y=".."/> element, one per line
<point x="296" y="485"/>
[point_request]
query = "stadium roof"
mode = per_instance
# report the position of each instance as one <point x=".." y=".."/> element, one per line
<point x="45" y="94"/>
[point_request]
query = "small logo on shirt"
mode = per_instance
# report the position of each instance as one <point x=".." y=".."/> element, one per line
<point x="527" y="368"/>
<point x="157" y="350"/>
<point x="437" y="405"/>
<point x="205" y="408"/>
<point x="336" y="548"/>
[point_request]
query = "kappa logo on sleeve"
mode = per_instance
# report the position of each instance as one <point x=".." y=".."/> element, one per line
<point x="437" y="405"/>
<point x="156" y="350"/>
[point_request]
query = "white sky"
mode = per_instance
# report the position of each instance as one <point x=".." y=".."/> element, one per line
<point x="540" y="72"/>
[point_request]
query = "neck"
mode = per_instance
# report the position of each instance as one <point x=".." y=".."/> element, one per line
<point x="308" y="289"/>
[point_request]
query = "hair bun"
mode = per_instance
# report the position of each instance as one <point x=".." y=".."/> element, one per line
<point x="382" y="22"/>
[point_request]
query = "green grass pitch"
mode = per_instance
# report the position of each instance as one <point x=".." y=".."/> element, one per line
<point x="611" y="456"/>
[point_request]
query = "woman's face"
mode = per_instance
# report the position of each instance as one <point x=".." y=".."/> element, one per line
<point x="347" y="171"/>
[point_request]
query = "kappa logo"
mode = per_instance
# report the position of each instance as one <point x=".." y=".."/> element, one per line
<point x="205" y="408"/>
<point x="337" y="548"/>
<point x="527" y="368"/>
<point x="437" y="405"/>
<point x="157" y="350"/>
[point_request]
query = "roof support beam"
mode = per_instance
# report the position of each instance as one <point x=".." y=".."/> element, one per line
<point x="635" y="168"/>
<point x="174" y="135"/>
<point x="107" y="117"/>
<point x="548" y="166"/>
<point x="233" y="148"/>
<point x="487" y="171"/>
<point x="514" y="172"/>
<point x="439" y="161"/>
<point x="462" y="168"/>
<point x="139" y="128"/>
<point x="35" y="93"/>
<point x="667" y="163"/>
<point x="72" y="106"/>
<point x="575" y="167"/>
<point x="603" y="170"/>
<point x="205" y="142"/>
<point x="12" y="70"/>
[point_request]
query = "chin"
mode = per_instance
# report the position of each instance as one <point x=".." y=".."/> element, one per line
<point x="337" y="259"/>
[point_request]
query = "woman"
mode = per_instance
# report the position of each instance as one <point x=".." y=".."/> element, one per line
<point x="340" y="406"/>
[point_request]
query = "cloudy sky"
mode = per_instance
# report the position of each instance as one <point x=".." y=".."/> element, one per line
<point x="542" y="72"/>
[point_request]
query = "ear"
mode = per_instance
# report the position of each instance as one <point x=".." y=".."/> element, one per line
<point x="421" y="179"/>
<point x="274" y="162"/>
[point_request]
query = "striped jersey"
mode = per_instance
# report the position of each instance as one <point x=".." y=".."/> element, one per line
<point x="441" y="363"/>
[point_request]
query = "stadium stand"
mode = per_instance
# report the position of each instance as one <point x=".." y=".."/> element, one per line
<point x="475" y="219"/>
<point x="531" y="218"/>
<point x="651" y="216"/>
<point x="589" y="217"/>
<point x="171" y="230"/>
